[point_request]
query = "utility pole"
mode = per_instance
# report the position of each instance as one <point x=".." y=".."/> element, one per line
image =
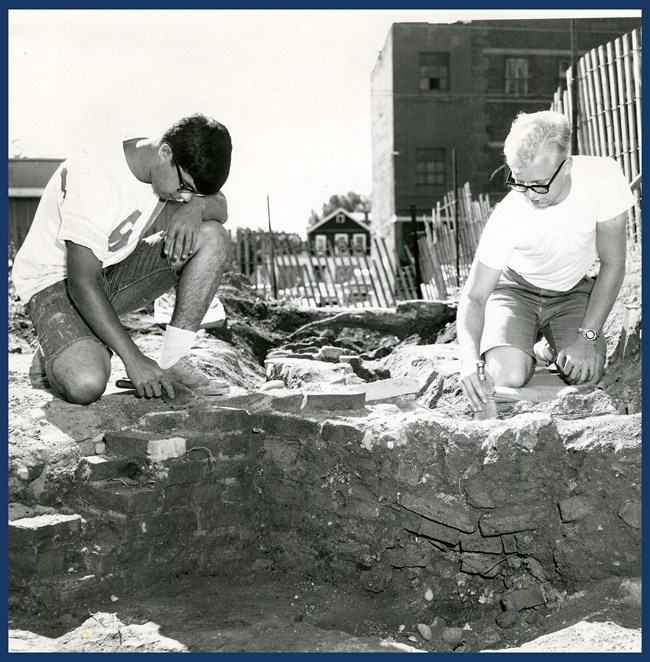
<point x="271" y="251"/>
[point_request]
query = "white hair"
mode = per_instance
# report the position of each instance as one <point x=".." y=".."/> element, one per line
<point x="533" y="133"/>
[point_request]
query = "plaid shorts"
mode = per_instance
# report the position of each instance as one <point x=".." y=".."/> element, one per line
<point x="517" y="313"/>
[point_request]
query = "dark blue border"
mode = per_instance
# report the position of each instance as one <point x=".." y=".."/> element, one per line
<point x="370" y="4"/>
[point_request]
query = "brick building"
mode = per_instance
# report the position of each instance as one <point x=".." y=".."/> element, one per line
<point x="445" y="90"/>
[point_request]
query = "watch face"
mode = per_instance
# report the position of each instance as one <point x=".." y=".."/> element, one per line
<point x="590" y="334"/>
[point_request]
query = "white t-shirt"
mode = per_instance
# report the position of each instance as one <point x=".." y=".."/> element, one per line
<point x="553" y="248"/>
<point x="94" y="200"/>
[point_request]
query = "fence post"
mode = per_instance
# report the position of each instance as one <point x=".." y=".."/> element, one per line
<point x="416" y="253"/>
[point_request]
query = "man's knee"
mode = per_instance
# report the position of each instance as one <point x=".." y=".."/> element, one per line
<point x="214" y="234"/>
<point x="81" y="372"/>
<point x="81" y="389"/>
<point x="509" y="366"/>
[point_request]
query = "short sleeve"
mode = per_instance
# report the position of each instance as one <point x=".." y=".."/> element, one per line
<point x="497" y="241"/>
<point x="616" y="196"/>
<point x="88" y="205"/>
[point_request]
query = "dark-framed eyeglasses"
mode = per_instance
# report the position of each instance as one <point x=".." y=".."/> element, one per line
<point x="184" y="186"/>
<point x="536" y="188"/>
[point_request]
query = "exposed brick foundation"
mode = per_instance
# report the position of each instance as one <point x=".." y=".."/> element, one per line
<point x="511" y="514"/>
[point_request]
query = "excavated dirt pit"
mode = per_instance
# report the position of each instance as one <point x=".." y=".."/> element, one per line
<point x="241" y="527"/>
<point x="308" y="518"/>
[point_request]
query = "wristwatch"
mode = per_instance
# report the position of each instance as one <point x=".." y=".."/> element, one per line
<point x="589" y="334"/>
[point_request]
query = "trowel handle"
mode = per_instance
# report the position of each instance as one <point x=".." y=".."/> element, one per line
<point x="124" y="383"/>
<point x="480" y="369"/>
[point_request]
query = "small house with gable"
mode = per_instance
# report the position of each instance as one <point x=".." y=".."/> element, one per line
<point x="340" y="232"/>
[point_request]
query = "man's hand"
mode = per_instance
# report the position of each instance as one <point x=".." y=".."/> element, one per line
<point x="182" y="233"/>
<point x="580" y="363"/>
<point x="148" y="377"/>
<point x="474" y="389"/>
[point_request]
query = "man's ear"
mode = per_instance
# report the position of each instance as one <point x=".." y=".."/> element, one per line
<point x="568" y="163"/>
<point x="165" y="152"/>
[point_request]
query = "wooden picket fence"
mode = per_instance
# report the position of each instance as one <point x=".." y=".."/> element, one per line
<point x="609" y="111"/>
<point x="283" y="267"/>
<point x="449" y="242"/>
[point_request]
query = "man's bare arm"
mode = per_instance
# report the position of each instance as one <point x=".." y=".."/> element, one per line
<point x="580" y="362"/>
<point x="182" y="232"/>
<point x="470" y="320"/>
<point x="84" y="286"/>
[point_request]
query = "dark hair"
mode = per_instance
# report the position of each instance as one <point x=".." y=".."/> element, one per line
<point x="202" y="147"/>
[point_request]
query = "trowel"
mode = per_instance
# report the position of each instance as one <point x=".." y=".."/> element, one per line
<point x="182" y="394"/>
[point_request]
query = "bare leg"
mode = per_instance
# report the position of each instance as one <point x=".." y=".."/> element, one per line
<point x="509" y="366"/>
<point x="200" y="276"/>
<point x="81" y="371"/>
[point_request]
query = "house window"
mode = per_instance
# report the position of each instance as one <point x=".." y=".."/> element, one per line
<point x="341" y="240"/>
<point x="340" y="218"/>
<point x="320" y="243"/>
<point x="434" y="71"/>
<point x="359" y="241"/>
<point x="517" y="76"/>
<point x="430" y="167"/>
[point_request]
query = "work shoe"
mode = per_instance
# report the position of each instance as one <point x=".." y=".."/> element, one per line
<point x="544" y="354"/>
<point x="187" y="374"/>
<point x="37" y="375"/>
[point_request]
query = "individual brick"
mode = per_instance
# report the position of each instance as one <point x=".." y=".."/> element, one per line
<point x="438" y="532"/>
<point x="220" y="419"/>
<point x="475" y="542"/>
<point x="524" y="598"/>
<point x="477" y="490"/>
<point x="509" y="543"/>
<point x="32" y="530"/>
<point x="100" y="467"/>
<point x="437" y="510"/>
<point x="575" y="508"/>
<point x="187" y="471"/>
<point x="319" y="401"/>
<point x="291" y="403"/>
<point x="165" y="421"/>
<point x="384" y="389"/>
<point x="207" y="493"/>
<point x="151" y="446"/>
<point x="177" y="495"/>
<point x="109" y="495"/>
<point x="286" y="425"/>
<point x="511" y="519"/>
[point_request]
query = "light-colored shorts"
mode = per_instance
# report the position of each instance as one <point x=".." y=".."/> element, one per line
<point x="517" y="313"/>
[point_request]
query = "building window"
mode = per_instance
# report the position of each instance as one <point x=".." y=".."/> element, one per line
<point x="341" y="241"/>
<point x="359" y="241"/>
<point x="340" y="218"/>
<point x="430" y="167"/>
<point x="517" y="76"/>
<point x="434" y="71"/>
<point x="320" y="243"/>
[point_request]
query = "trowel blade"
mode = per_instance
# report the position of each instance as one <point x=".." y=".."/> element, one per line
<point x="182" y="394"/>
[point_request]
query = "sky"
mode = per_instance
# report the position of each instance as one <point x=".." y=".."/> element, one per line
<point x="292" y="86"/>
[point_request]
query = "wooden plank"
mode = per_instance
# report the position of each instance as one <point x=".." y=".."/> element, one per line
<point x="622" y="108"/>
<point x="379" y="247"/>
<point x="608" y="120"/>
